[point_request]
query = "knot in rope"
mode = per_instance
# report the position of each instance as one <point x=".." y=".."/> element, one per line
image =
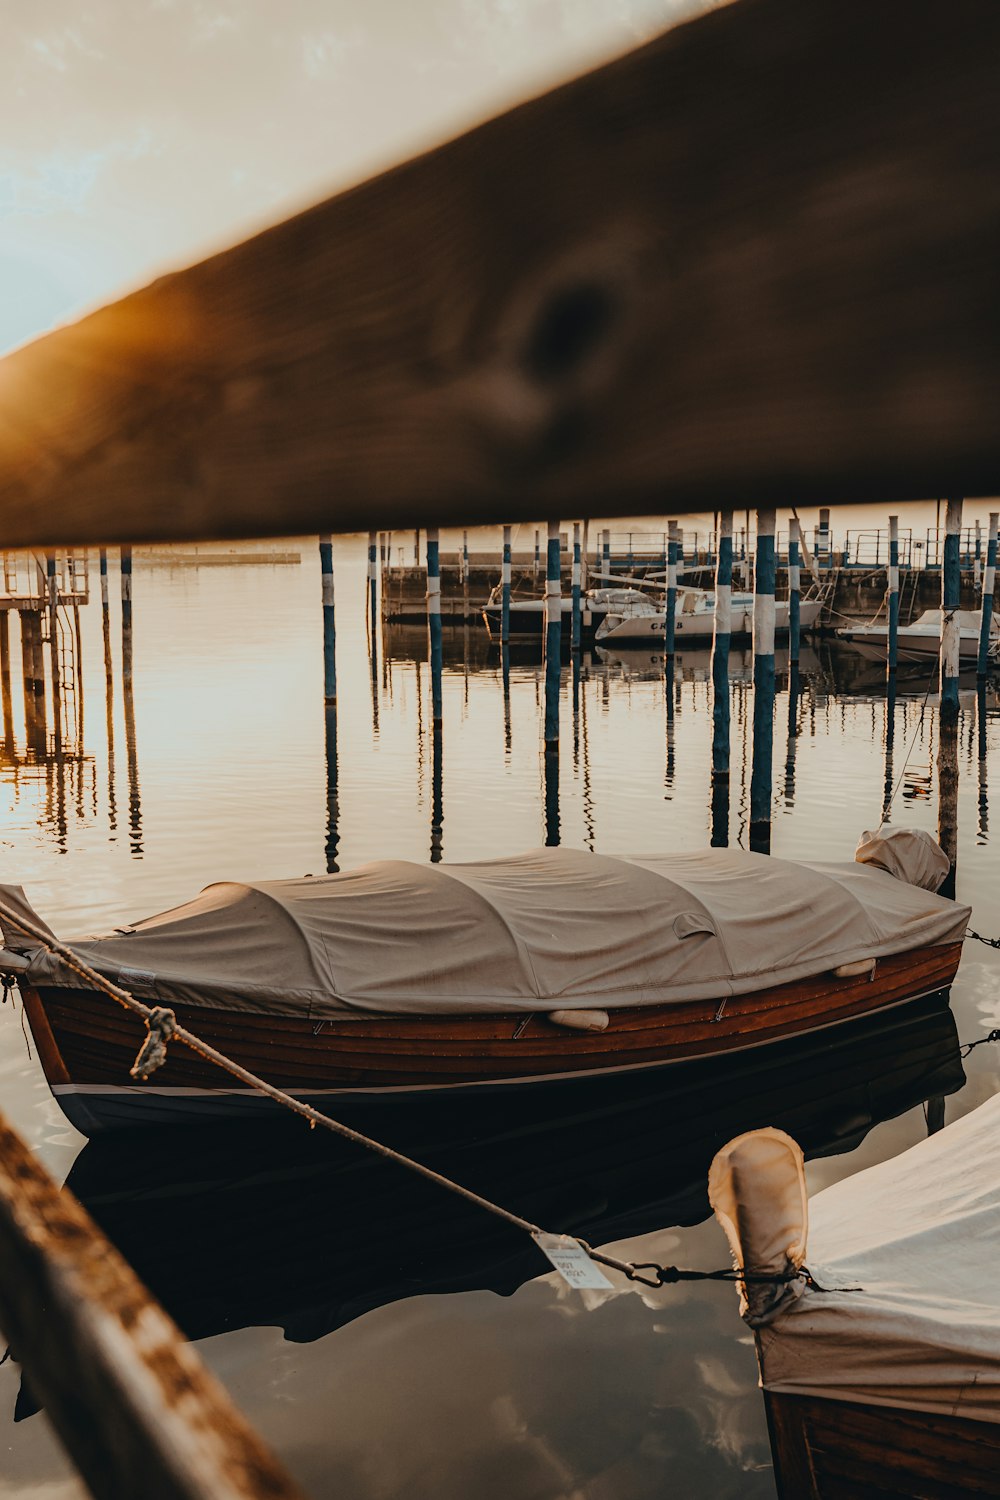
<point x="161" y="1024"/>
<point x="651" y="1273"/>
<point x="990" y="942"/>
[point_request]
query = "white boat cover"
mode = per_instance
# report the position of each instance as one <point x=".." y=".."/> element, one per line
<point x="970" y="622"/>
<point x="929" y="623"/>
<point x="920" y="1235"/>
<point x="554" y="928"/>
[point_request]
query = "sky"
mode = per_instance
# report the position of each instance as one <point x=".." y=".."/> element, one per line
<point x="141" y="135"/>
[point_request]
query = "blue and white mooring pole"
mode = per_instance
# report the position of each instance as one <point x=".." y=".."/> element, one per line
<point x="671" y="620"/>
<point x="126" y="567"/>
<point x="505" y="590"/>
<point x="763" y="685"/>
<point x="606" y="554"/>
<point x="373" y="579"/>
<point x="794" y="590"/>
<point x="329" y="620"/>
<point x="126" y="585"/>
<point x="575" y="633"/>
<point x="103" y="557"/>
<point x="434" y="619"/>
<point x="951" y="582"/>
<point x="989" y="583"/>
<point x="892" y="654"/>
<point x="823" y="545"/>
<point x="722" y="635"/>
<point x="553" y="636"/>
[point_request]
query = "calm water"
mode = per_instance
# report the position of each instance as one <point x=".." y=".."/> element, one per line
<point x="355" y="1318"/>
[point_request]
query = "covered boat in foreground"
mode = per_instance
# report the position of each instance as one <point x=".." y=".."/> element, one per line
<point x="887" y="1381"/>
<point x="399" y="979"/>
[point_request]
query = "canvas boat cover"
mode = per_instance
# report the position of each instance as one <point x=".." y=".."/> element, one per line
<point x="554" y="928"/>
<point x="919" y="1235"/>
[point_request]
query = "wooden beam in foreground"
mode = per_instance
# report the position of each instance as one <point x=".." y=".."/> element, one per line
<point x="754" y="262"/>
<point x="131" y="1401"/>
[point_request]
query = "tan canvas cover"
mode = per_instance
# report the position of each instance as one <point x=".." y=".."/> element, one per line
<point x="908" y="853"/>
<point x="920" y="1235"/>
<point x="757" y="1188"/>
<point x="554" y="928"/>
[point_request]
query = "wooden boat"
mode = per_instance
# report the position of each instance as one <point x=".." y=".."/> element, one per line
<point x="887" y="1382"/>
<point x="398" y="980"/>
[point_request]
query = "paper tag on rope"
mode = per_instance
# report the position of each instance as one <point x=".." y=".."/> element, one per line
<point x="572" y="1262"/>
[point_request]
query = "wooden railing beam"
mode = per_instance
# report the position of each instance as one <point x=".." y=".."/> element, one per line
<point x="753" y="262"/>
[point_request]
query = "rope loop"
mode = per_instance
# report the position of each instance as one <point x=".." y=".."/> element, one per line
<point x="161" y="1024"/>
<point x="991" y="1036"/>
<point x="990" y="942"/>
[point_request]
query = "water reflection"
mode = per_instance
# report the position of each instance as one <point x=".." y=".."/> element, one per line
<point x="241" y="1226"/>
<point x="332" y="788"/>
<point x="233" y="767"/>
<point x="131" y="751"/>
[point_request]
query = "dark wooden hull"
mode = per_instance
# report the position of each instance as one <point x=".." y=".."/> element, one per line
<point x="87" y="1043"/>
<point x="842" y="1450"/>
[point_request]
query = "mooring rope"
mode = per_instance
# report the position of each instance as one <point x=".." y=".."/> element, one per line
<point x="162" y="1027"/>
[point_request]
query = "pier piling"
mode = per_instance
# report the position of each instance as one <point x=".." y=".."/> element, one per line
<point x="893" y="599"/>
<point x="55" y="674"/>
<point x="505" y="590"/>
<point x="950" y="601"/>
<point x="434" y="620"/>
<point x="794" y="583"/>
<point x="575" y="632"/>
<point x="553" y="635"/>
<point x="989" y="582"/>
<point x="126" y="571"/>
<point x="5" y="691"/>
<point x="721" y="637"/>
<point x="671" y="619"/>
<point x="329" y="620"/>
<point x="763" y="683"/>
<point x="824" y="551"/>
<point x="33" y="677"/>
<point x="373" y="579"/>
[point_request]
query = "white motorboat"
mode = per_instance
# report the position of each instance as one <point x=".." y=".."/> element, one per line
<point x="922" y="637"/>
<point x="527" y="615"/>
<point x="639" y="619"/>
